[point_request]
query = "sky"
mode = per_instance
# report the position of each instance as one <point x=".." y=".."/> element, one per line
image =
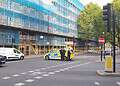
<point x="99" y="2"/>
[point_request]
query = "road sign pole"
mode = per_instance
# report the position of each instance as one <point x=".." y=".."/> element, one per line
<point x="104" y="51"/>
<point x="101" y="42"/>
<point x="101" y="52"/>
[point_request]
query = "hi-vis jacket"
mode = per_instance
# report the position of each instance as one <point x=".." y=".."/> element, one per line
<point x="71" y="53"/>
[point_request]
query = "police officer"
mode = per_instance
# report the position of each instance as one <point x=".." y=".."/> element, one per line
<point x="69" y="54"/>
<point x="62" y="53"/>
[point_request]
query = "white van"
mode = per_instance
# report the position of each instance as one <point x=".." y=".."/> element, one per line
<point x="11" y="53"/>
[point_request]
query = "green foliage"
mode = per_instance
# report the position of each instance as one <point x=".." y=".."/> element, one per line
<point x="91" y="22"/>
<point x="116" y="4"/>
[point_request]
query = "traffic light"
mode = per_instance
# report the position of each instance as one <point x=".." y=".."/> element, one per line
<point x="107" y="16"/>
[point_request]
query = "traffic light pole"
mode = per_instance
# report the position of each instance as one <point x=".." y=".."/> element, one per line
<point x="110" y="21"/>
<point x="114" y="53"/>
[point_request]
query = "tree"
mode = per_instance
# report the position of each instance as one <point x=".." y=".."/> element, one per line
<point x="116" y="6"/>
<point x="91" y="22"/>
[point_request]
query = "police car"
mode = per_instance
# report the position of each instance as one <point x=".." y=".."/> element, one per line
<point x="55" y="55"/>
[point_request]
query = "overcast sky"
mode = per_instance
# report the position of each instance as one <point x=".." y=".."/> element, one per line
<point x="99" y="2"/>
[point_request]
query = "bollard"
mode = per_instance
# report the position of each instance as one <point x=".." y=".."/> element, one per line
<point x="108" y="63"/>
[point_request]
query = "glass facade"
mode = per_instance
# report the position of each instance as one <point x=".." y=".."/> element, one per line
<point x="31" y="19"/>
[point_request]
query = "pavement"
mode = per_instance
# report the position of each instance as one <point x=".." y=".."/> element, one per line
<point x="40" y="72"/>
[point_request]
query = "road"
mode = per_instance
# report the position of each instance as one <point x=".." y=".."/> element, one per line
<point x="38" y="72"/>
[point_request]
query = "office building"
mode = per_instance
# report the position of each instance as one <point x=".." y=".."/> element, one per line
<point x="36" y="26"/>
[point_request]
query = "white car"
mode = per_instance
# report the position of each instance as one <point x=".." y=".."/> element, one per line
<point x="11" y="53"/>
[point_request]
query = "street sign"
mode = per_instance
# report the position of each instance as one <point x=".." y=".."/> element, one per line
<point x="101" y="40"/>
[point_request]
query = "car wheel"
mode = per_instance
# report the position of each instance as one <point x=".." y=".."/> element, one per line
<point x="22" y="58"/>
<point x="5" y="59"/>
<point x="46" y="57"/>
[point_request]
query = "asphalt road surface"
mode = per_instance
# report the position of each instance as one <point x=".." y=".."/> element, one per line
<point x="38" y="72"/>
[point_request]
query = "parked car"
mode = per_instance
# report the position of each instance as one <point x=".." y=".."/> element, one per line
<point x="11" y="53"/>
<point x="2" y="60"/>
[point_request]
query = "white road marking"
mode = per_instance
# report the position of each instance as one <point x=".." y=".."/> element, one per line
<point x="15" y="75"/>
<point x="51" y="73"/>
<point x="97" y="83"/>
<point x="29" y="80"/>
<point x="23" y="73"/>
<point x="6" y="77"/>
<point x="57" y="71"/>
<point x="41" y="68"/>
<point x="38" y="77"/>
<point x="37" y="69"/>
<point x="66" y="68"/>
<point x="57" y="65"/>
<point x="19" y="84"/>
<point x="36" y="73"/>
<point x="79" y="65"/>
<point x="62" y="70"/>
<point x="72" y="67"/>
<point x="31" y="71"/>
<point x="118" y="83"/>
<point x="45" y="75"/>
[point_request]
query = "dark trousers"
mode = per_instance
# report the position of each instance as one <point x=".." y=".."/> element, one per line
<point x="62" y="54"/>
<point x="68" y="57"/>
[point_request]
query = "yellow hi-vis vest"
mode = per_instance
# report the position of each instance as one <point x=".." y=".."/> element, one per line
<point x="59" y="53"/>
<point x="66" y="53"/>
<point x="72" y="55"/>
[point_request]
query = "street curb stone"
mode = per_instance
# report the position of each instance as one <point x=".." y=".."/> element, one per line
<point x="34" y="56"/>
<point x="104" y="73"/>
